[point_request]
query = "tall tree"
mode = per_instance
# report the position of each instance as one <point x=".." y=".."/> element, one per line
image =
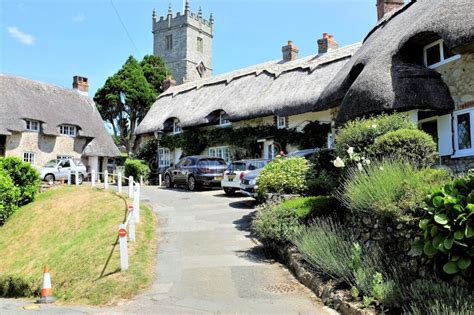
<point x="139" y="96"/>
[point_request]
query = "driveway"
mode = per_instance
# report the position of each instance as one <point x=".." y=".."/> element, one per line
<point x="208" y="263"/>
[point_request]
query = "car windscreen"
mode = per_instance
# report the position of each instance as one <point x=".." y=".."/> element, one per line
<point x="211" y="163"/>
<point x="51" y="163"/>
<point x="237" y="166"/>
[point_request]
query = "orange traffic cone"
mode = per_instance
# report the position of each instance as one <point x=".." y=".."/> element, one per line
<point x="47" y="289"/>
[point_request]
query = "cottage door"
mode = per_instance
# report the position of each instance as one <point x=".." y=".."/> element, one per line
<point x="3" y="143"/>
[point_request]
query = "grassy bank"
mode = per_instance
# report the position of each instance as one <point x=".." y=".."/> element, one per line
<point x="74" y="231"/>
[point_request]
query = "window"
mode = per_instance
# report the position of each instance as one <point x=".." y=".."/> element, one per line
<point x="200" y="46"/>
<point x="65" y="163"/>
<point x="32" y="125"/>
<point x="67" y="130"/>
<point x="437" y="54"/>
<point x="221" y="152"/>
<point x="224" y="119"/>
<point x="29" y="157"/>
<point x="177" y="127"/>
<point x="281" y="122"/>
<point x="463" y="128"/>
<point x="169" y="42"/>
<point x="165" y="157"/>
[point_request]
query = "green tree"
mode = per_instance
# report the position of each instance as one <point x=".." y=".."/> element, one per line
<point x="131" y="79"/>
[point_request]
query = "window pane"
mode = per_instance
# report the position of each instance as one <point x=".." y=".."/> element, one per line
<point x="433" y="55"/>
<point x="464" y="131"/>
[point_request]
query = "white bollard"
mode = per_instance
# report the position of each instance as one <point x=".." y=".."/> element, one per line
<point x="159" y="180"/>
<point x="76" y="179"/>
<point x="130" y="186"/>
<point x="93" y="178"/>
<point x="123" y="247"/>
<point x="119" y="182"/>
<point x="106" y="179"/>
<point x="136" y="202"/>
<point x="131" y="227"/>
<point x="141" y="180"/>
<point x="69" y="177"/>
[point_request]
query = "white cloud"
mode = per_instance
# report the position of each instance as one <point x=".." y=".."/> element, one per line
<point x="26" y="39"/>
<point x="78" y="18"/>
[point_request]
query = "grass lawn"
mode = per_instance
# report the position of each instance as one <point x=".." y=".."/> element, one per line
<point x="74" y="231"/>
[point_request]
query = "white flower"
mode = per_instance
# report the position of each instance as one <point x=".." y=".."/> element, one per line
<point x="338" y="162"/>
<point x="367" y="162"/>
<point x="350" y="151"/>
<point x="381" y="168"/>
<point x="373" y="126"/>
<point x="359" y="166"/>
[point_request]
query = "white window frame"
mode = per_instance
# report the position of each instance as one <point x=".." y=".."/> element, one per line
<point x="165" y="157"/>
<point x="30" y="157"/>
<point x="177" y="127"/>
<point x="442" y="61"/>
<point x="32" y="125"/>
<point x="68" y="130"/>
<point x="224" y="122"/>
<point x="220" y="152"/>
<point x="281" y="119"/>
<point x="457" y="151"/>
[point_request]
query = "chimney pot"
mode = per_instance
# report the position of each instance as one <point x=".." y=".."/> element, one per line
<point x="326" y="44"/>
<point x="386" y="6"/>
<point x="290" y="51"/>
<point x="81" y="85"/>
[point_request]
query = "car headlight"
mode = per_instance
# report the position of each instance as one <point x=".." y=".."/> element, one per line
<point x="253" y="182"/>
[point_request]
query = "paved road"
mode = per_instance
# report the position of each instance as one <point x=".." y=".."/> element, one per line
<point x="208" y="263"/>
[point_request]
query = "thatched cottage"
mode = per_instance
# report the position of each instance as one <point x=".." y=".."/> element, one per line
<point x="40" y="122"/>
<point x="282" y="93"/>
<point x="418" y="59"/>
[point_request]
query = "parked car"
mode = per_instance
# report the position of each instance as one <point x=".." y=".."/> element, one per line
<point x="236" y="171"/>
<point x="306" y="153"/>
<point x="196" y="171"/>
<point x="248" y="183"/>
<point x="59" y="170"/>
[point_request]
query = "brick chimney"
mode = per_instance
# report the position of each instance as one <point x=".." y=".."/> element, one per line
<point x="326" y="44"/>
<point x="81" y="85"/>
<point x="168" y="82"/>
<point x="290" y="51"/>
<point x="386" y="6"/>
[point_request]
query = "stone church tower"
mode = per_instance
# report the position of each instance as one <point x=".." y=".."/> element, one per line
<point x="184" y="42"/>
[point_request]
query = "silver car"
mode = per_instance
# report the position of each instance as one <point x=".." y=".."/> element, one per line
<point x="59" y="170"/>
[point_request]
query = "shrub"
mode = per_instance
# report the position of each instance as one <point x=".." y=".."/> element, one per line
<point x="283" y="175"/>
<point x="24" y="176"/>
<point x="388" y="187"/>
<point x="306" y="207"/>
<point x="275" y="223"/>
<point x="14" y="286"/>
<point x="136" y="168"/>
<point x="414" y="145"/>
<point x="448" y="225"/>
<point x="323" y="176"/>
<point x="360" y="134"/>
<point x="9" y="196"/>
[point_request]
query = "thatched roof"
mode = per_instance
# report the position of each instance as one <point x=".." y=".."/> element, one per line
<point x="387" y="72"/>
<point x="53" y="106"/>
<point x="271" y="88"/>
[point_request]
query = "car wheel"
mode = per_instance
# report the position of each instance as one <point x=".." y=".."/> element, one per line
<point x="229" y="191"/>
<point x="49" y="179"/>
<point x="192" y="184"/>
<point x="81" y="179"/>
<point x="168" y="182"/>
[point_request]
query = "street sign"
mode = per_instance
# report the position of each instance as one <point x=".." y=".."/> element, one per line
<point x="123" y="247"/>
<point x="122" y="232"/>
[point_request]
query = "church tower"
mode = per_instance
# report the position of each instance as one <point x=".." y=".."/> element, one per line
<point x="184" y="42"/>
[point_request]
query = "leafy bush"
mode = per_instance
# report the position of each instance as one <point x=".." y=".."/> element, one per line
<point x="414" y="145"/>
<point x="360" y="134"/>
<point x="323" y="176"/>
<point x="14" y="286"/>
<point x="24" y="176"/>
<point x="136" y="168"/>
<point x="283" y="175"/>
<point x="448" y="226"/>
<point x="431" y="297"/>
<point x="9" y="196"/>
<point x="275" y="223"/>
<point x="306" y="207"/>
<point x="388" y="187"/>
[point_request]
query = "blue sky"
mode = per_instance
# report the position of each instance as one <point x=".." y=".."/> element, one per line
<point x="52" y="40"/>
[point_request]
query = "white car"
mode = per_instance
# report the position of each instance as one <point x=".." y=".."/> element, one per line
<point x="59" y="170"/>
<point x="236" y="171"/>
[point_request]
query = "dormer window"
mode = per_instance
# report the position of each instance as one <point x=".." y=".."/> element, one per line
<point x="437" y="54"/>
<point x="281" y="122"/>
<point x="224" y="119"/>
<point x="68" y="130"/>
<point x="177" y="127"/>
<point x="32" y="125"/>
